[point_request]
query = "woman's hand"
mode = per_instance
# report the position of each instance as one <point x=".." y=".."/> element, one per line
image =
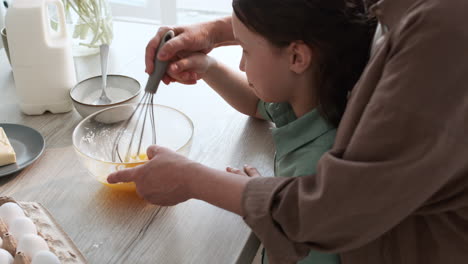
<point x="162" y="180"/>
<point x="201" y="37"/>
<point x="169" y="178"/>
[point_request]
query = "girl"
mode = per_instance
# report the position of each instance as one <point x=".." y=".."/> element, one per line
<point x="301" y="59"/>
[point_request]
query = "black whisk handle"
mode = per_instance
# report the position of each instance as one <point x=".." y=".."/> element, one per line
<point x="159" y="66"/>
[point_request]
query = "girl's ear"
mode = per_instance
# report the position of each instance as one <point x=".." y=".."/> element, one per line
<point x="300" y="56"/>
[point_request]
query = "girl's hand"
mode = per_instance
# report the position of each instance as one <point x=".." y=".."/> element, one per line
<point x="201" y="37"/>
<point x="190" y="67"/>
<point x="248" y="171"/>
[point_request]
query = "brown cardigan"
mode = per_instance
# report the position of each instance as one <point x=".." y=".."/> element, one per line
<point x="394" y="188"/>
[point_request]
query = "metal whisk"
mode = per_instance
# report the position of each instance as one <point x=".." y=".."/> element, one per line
<point x="142" y="114"/>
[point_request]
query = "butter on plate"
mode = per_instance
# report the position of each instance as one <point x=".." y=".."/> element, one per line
<point x="7" y="153"/>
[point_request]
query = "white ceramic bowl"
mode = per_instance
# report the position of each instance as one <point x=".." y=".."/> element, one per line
<point x="120" y="89"/>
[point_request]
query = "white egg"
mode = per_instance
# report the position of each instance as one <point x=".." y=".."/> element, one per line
<point x="9" y="211"/>
<point x="45" y="257"/>
<point x="21" y="226"/>
<point x="5" y="257"/>
<point x="30" y="244"/>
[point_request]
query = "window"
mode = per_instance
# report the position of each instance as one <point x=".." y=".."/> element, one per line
<point x="170" y="12"/>
<point x="193" y="11"/>
<point x="145" y="11"/>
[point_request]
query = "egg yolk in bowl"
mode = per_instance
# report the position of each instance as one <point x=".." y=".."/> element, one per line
<point x="125" y="186"/>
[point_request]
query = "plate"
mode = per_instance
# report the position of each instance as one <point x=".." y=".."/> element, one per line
<point x="28" y="144"/>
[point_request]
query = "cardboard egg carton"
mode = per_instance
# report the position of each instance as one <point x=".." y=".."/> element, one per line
<point x="58" y="241"/>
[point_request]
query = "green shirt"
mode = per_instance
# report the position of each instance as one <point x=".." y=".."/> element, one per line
<point x="300" y="142"/>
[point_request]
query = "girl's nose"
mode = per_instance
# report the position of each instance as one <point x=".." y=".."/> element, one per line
<point x="242" y="64"/>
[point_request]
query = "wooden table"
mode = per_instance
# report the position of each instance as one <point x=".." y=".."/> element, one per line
<point x="114" y="227"/>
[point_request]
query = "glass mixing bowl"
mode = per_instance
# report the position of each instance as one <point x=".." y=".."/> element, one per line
<point x="94" y="138"/>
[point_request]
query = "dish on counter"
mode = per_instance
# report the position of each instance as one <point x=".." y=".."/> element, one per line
<point x="28" y="144"/>
<point x="94" y="139"/>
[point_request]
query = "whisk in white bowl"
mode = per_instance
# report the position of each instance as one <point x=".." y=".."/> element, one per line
<point x="129" y="148"/>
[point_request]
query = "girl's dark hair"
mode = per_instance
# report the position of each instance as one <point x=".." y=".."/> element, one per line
<point x="339" y="31"/>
